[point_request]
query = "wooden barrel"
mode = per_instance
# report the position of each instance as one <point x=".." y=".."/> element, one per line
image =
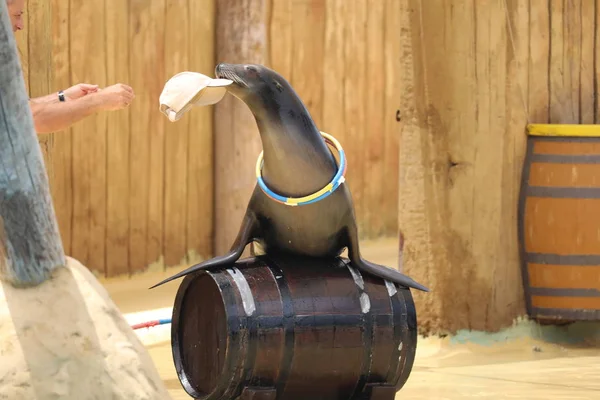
<point x="559" y="222"/>
<point x="306" y="328"/>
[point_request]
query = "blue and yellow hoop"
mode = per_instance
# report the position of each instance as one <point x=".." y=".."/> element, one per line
<point x="337" y="180"/>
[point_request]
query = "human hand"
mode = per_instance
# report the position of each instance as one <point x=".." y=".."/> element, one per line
<point x="115" y="97"/>
<point x="79" y="90"/>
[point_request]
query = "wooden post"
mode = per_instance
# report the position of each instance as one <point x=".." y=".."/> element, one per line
<point x="30" y="245"/>
<point x="464" y="83"/>
<point x="241" y="38"/>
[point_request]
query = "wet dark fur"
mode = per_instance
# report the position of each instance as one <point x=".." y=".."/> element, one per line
<point x="297" y="162"/>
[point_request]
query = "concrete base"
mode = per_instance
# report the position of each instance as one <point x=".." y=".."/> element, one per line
<point x="66" y="339"/>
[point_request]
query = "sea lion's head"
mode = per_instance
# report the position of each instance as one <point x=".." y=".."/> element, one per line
<point x="256" y="85"/>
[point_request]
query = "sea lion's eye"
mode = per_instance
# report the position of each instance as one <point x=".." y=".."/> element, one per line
<point x="251" y="71"/>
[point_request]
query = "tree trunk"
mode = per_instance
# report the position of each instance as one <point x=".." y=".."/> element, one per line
<point x="241" y="38"/>
<point x="30" y="245"/>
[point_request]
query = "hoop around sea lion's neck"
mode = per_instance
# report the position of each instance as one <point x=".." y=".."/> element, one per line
<point x="337" y="180"/>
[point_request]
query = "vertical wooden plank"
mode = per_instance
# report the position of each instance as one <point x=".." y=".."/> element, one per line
<point x="507" y="276"/>
<point x="40" y="49"/>
<point x="539" y="62"/>
<point x="375" y="80"/>
<point x="200" y="137"/>
<point x="572" y="73"/>
<point x="419" y="256"/>
<point x="393" y="69"/>
<point x="596" y="61"/>
<point x="308" y="32"/>
<point x="354" y="105"/>
<point x="61" y="183"/>
<point x="146" y="163"/>
<point x="281" y="45"/>
<point x="557" y="64"/>
<point x="565" y="61"/>
<point x="88" y="64"/>
<point x="241" y="37"/>
<point x="493" y="175"/>
<point x="587" y="91"/>
<point x="176" y="134"/>
<point x="117" y="141"/>
<point x="334" y="67"/>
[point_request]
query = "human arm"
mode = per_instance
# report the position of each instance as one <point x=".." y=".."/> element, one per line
<point x="51" y="117"/>
<point x="56" y="116"/>
<point x="72" y="93"/>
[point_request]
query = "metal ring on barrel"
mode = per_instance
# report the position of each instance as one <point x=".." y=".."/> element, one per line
<point x="302" y="328"/>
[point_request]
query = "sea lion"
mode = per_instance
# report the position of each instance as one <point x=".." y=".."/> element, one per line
<point x="296" y="162"/>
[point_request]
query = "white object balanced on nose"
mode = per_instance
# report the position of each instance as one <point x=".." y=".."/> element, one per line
<point x="188" y="89"/>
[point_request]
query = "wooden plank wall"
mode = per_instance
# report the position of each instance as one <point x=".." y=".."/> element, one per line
<point x="130" y="189"/>
<point x="474" y="74"/>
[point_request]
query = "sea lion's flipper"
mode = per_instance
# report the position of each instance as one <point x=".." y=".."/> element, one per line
<point x="376" y="269"/>
<point x="245" y="235"/>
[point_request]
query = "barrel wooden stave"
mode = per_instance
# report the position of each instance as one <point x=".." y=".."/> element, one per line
<point x="559" y="218"/>
<point x="305" y="311"/>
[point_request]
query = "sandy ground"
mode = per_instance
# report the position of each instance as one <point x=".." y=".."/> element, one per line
<point x="510" y="365"/>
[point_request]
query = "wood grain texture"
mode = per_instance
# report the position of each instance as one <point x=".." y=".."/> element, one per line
<point x="129" y="38"/>
<point x="387" y="209"/>
<point x="281" y="46"/>
<point x="473" y="76"/>
<point x="587" y="31"/>
<point x="241" y="37"/>
<point x="177" y="31"/>
<point x="30" y="245"/>
<point x="146" y="151"/>
<point x="88" y="225"/>
<point x="374" y="132"/>
<point x="307" y="74"/>
<point x="538" y="94"/>
<point x="117" y="142"/>
<point x="452" y="151"/>
<point x="355" y="98"/>
<point x="200" y="185"/>
<point x="61" y="160"/>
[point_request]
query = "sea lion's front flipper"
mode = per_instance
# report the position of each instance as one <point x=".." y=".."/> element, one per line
<point x="376" y="269"/>
<point x="246" y="233"/>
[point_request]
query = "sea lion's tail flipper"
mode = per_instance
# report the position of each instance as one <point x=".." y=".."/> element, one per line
<point x="245" y="235"/>
<point x="376" y="269"/>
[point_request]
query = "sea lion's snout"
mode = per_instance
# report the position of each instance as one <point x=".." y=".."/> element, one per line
<point x="220" y="70"/>
<point x="233" y="72"/>
<point x="254" y="84"/>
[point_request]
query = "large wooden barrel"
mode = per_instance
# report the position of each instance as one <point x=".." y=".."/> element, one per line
<point x="559" y="222"/>
<point x="306" y="328"/>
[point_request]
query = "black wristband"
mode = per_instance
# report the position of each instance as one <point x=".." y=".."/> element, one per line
<point x="61" y="96"/>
